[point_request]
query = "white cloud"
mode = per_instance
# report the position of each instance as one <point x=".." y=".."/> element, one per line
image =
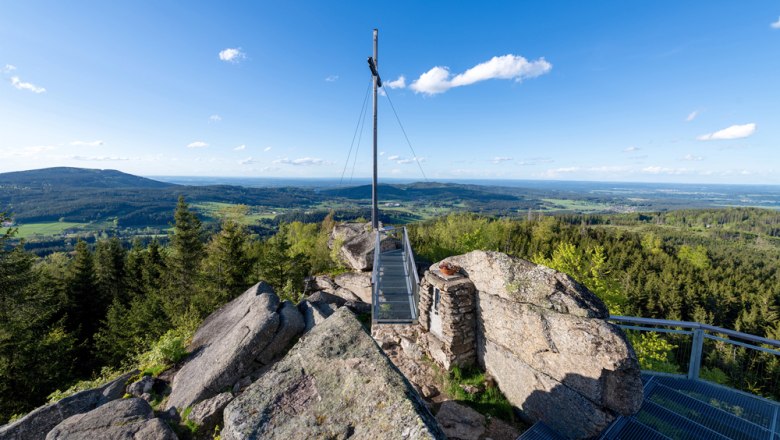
<point x="400" y="160"/>
<point x="100" y="158"/>
<point x="215" y="118"/>
<point x="400" y="83"/>
<point x="247" y="161"/>
<point x="86" y="143"/>
<point x="32" y="151"/>
<point x="267" y="149"/>
<point x="332" y="78"/>
<point x="232" y="55"/>
<point x="8" y="68"/>
<point x="301" y="161"/>
<point x="733" y="132"/>
<point x="664" y="170"/>
<point x="197" y="144"/>
<point x="631" y="149"/>
<point x="691" y="157"/>
<point x="691" y="116"/>
<point x="19" y="84"/>
<point x="439" y="80"/>
<point x="381" y="153"/>
<point x="241" y="147"/>
<point x="776" y="24"/>
<point x="499" y="159"/>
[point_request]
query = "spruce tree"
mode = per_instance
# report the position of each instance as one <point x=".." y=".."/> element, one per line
<point x="227" y="266"/>
<point x="110" y="271"/>
<point x="185" y="258"/>
<point x="86" y="308"/>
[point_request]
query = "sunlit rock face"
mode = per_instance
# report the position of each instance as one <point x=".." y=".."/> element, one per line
<point x="545" y="339"/>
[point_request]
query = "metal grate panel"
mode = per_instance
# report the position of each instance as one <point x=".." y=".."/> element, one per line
<point x="540" y="431"/>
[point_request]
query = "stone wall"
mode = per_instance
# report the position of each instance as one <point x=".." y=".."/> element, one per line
<point x="542" y="336"/>
<point x="454" y="341"/>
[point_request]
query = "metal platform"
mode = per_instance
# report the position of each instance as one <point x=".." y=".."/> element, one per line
<point x="395" y="284"/>
<point x="678" y="408"/>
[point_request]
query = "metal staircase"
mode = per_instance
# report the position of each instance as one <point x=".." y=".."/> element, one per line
<point x="395" y="283"/>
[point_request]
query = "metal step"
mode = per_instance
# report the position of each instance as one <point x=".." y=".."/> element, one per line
<point x="750" y="408"/>
<point x="673" y="425"/>
<point x="631" y="429"/>
<point x="540" y="431"/>
<point x="716" y="419"/>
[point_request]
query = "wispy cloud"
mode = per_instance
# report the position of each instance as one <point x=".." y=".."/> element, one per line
<point x="302" y="161"/>
<point x="215" y="118"/>
<point x="8" y="68"/>
<point x="499" y="159"/>
<point x="86" y="143"/>
<point x="31" y="151"/>
<point x="439" y="79"/>
<point x="197" y="144"/>
<point x="100" y="158"/>
<point x="267" y="149"/>
<point x="631" y="149"/>
<point x="241" y="147"/>
<point x="691" y="157"/>
<point x="400" y="160"/>
<point x="21" y="85"/>
<point x="247" y="161"/>
<point x="332" y="78"/>
<point x="399" y="83"/>
<point x="691" y="116"/>
<point x="664" y="170"/>
<point x="776" y="24"/>
<point x="733" y="132"/>
<point x="232" y="55"/>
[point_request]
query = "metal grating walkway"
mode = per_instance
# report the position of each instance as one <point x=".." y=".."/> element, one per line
<point x="677" y="408"/>
<point x="394" y="301"/>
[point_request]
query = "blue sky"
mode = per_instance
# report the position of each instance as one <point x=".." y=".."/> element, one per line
<point x="663" y="91"/>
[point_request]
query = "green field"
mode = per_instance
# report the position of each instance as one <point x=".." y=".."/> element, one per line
<point x="50" y="228"/>
<point x="214" y="210"/>
<point x="582" y="206"/>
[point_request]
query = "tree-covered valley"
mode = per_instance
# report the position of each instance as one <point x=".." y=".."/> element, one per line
<point x="110" y="306"/>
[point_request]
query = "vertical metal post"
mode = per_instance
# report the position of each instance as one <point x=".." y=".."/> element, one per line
<point x="697" y="346"/>
<point x="374" y="203"/>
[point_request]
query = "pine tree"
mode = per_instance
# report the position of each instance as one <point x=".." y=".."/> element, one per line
<point x="110" y="271"/>
<point x="227" y="266"/>
<point x="184" y="262"/>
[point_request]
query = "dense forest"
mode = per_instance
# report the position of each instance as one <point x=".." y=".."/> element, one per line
<point x="110" y="306"/>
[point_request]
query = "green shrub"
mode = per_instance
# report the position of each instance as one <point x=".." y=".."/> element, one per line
<point x="168" y="350"/>
<point x="106" y="375"/>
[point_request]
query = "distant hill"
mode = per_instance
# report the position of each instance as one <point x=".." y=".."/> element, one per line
<point x="416" y="191"/>
<point x="68" y="177"/>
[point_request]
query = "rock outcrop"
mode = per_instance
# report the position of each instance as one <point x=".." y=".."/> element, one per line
<point x="334" y="383"/>
<point x="243" y="336"/>
<point x="545" y="340"/>
<point x="357" y="242"/>
<point x="36" y="424"/>
<point x="460" y="422"/>
<point x="123" y="419"/>
<point x="358" y="283"/>
<point x="208" y="413"/>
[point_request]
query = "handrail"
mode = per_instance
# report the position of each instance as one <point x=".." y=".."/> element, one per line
<point x="698" y="333"/>
<point x="695" y="326"/>
<point x="415" y="281"/>
<point x="375" y="277"/>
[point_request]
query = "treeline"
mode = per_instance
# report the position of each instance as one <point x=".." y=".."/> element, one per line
<point x="73" y="316"/>
<point x="656" y="273"/>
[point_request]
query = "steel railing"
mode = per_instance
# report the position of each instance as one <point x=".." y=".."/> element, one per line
<point x="704" y="352"/>
<point x="411" y="270"/>
<point x="375" y="276"/>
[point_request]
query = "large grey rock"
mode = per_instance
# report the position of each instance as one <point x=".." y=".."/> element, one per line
<point x="40" y="421"/>
<point x="141" y="386"/>
<point x="334" y="383"/>
<point x="460" y="422"/>
<point x="358" y="283"/>
<point x="358" y="250"/>
<point x="314" y="313"/>
<point x="545" y="340"/>
<point x="208" y="413"/>
<point x="343" y="232"/>
<point x="522" y="281"/>
<point x="123" y="419"/>
<point x="242" y="336"/>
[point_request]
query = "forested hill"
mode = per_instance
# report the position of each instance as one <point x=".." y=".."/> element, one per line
<point x="76" y="178"/>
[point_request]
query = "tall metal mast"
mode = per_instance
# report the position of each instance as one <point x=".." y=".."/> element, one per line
<point x="373" y="64"/>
